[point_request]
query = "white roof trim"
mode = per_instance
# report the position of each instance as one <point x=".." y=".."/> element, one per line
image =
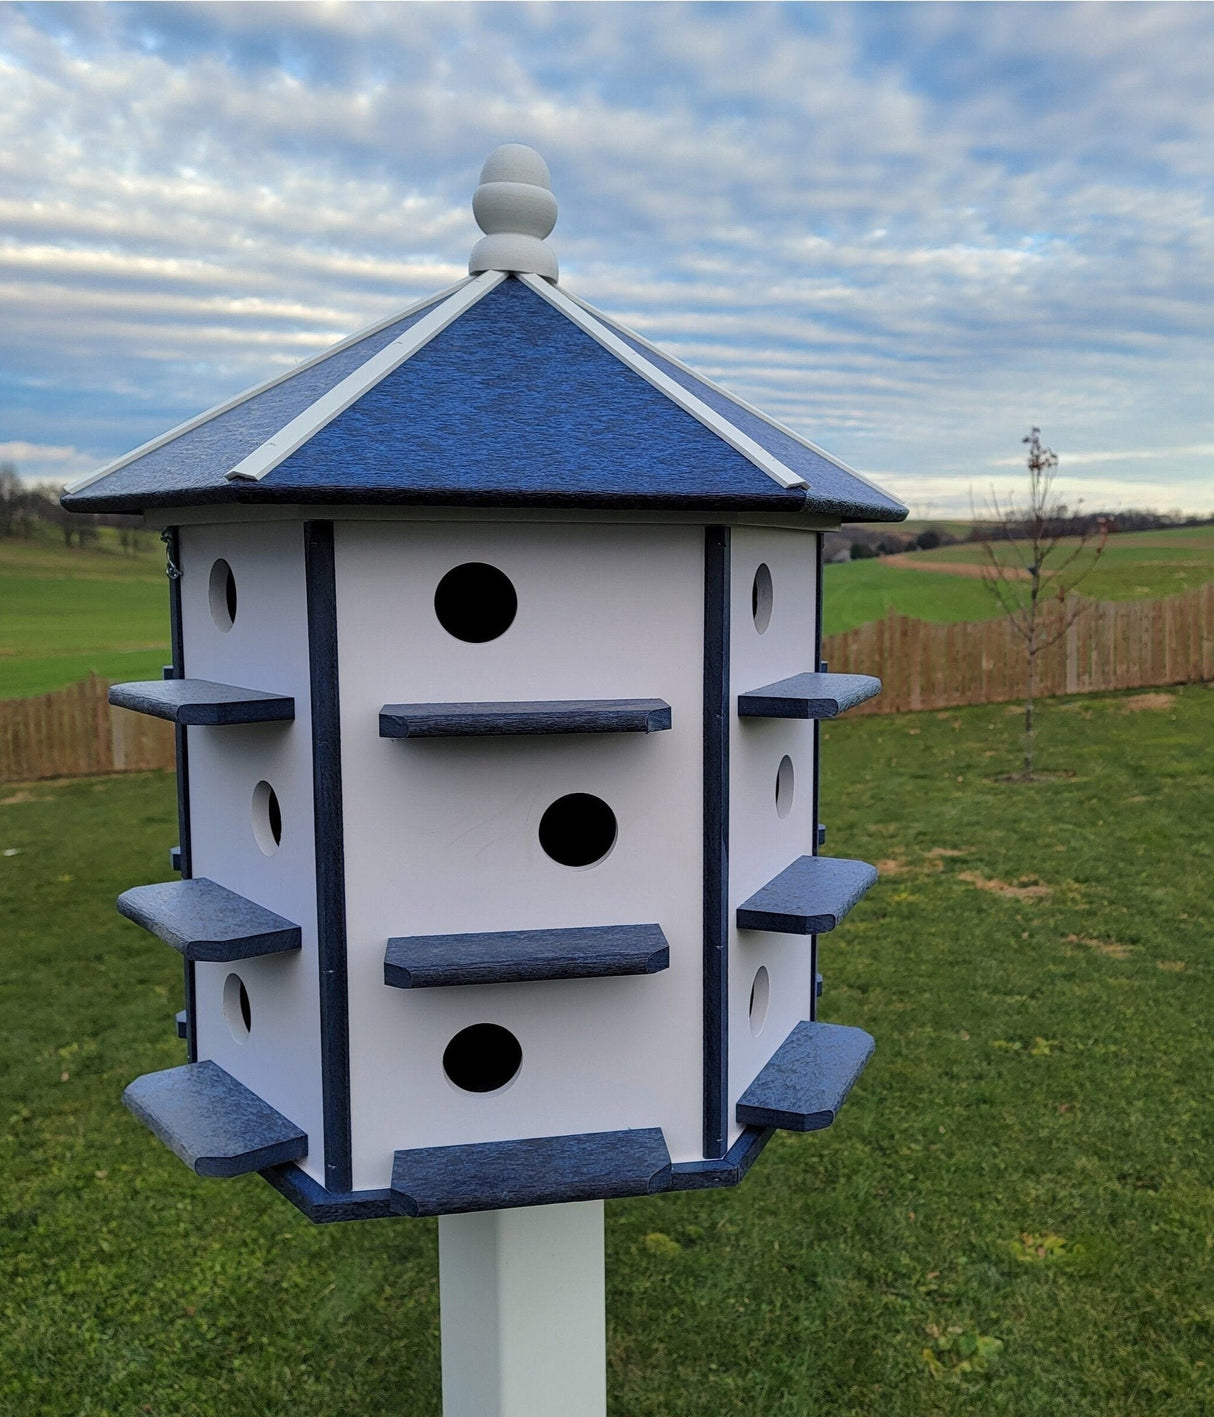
<point x="199" y="419"/>
<point x="329" y="406"/>
<point x="677" y="394"/>
<point x="732" y="397"/>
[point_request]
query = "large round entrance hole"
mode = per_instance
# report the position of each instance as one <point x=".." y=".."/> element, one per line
<point x="760" y="997"/>
<point x="482" y="1058"/>
<point x="760" y="598"/>
<point x="578" y="830"/>
<point x="236" y="1011"/>
<point x="221" y="595"/>
<point x="267" y="818"/>
<point x="784" y="786"/>
<point x="475" y="602"/>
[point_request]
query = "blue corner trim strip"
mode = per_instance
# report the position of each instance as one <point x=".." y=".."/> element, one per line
<point x="494" y="719"/>
<point x="449" y="1180"/>
<point x="181" y="1023"/>
<point x="214" y="1123"/>
<point x="807" y="1080"/>
<point x="321" y="577"/>
<point x="205" y="921"/>
<point x="716" y="838"/>
<point x="199" y="702"/>
<point x="808" y="897"/>
<point x="184" y="864"/>
<point x="808" y="696"/>
<point x="516" y="956"/>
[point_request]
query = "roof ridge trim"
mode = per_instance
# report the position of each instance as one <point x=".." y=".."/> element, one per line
<point x="331" y="405"/>
<point x="729" y="394"/>
<point x="264" y="387"/>
<point x="709" y="417"/>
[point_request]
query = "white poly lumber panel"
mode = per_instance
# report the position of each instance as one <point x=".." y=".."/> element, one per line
<point x="266" y="647"/>
<point x="524" y="1324"/>
<point x="761" y="843"/>
<point x="441" y="835"/>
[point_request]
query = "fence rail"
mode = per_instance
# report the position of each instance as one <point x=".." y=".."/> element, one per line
<point x="75" y="733"/>
<point x="1113" y="644"/>
<point x="1123" y="644"/>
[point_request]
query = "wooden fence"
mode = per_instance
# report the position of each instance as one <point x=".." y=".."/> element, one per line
<point x="1123" y="644"/>
<point x="1115" y="644"/>
<point x="75" y="733"/>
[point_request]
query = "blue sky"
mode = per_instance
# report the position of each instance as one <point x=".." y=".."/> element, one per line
<point x="909" y="231"/>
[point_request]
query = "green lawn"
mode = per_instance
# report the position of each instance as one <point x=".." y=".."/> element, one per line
<point x="1134" y="564"/>
<point x="1022" y="1173"/>
<point x="65" y="613"/>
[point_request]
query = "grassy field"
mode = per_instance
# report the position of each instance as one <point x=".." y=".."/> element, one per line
<point x="64" y="613"/>
<point x="1013" y="1214"/>
<point x="1134" y="564"/>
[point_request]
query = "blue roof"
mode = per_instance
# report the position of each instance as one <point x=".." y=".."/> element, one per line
<point x="520" y="400"/>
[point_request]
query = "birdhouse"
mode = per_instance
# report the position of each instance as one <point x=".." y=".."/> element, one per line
<point x="496" y="682"/>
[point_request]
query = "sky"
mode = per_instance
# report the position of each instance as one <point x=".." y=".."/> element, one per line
<point x="910" y="232"/>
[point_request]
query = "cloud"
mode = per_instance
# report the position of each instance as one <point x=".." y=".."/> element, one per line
<point x="910" y="232"/>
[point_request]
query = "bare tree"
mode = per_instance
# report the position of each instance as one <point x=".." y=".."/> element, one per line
<point x="1031" y="562"/>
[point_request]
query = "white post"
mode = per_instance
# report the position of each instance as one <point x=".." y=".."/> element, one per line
<point x="523" y="1312"/>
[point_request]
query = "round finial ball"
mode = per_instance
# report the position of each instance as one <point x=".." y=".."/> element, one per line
<point x="516" y="210"/>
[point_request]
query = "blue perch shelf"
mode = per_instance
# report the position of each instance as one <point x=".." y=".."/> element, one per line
<point x="808" y="897"/>
<point x="808" y="696"/>
<point x="544" y="716"/>
<point x="214" y="1123"/>
<point x="807" y="1079"/>
<point x="448" y="1180"/>
<point x="514" y="956"/>
<point x="208" y="922"/>
<point x="200" y="702"/>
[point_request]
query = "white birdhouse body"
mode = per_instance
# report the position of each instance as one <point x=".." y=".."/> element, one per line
<point x="497" y="682"/>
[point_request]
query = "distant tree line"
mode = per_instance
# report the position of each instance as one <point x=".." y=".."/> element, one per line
<point x="861" y="542"/>
<point x="26" y="508"/>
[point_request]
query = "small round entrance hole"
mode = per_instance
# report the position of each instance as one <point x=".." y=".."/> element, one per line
<point x="760" y="997"/>
<point x="475" y="602"/>
<point x="221" y="594"/>
<point x="760" y="598"/>
<point x="236" y="1011"/>
<point x="267" y="818"/>
<point x="482" y="1058"/>
<point x="578" y="830"/>
<point x="784" y="786"/>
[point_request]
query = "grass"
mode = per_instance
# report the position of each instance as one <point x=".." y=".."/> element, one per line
<point x="68" y="613"/>
<point x="1013" y="1213"/>
<point x="1134" y="564"/>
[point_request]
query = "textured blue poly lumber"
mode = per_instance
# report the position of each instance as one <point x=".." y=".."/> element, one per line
<point x="807" y="1079"/>
<point x="715" y="959"/>
<point x="328" y="822"/>
<point x="205" y="921"/>
<point x="847" y="495"/>
<point x="200" y="702"/>
<point x="191" y="469"/>
<point x="808" y="696"/>
<point x="183" y="1030"/>
<point x="448" y="1180"/>
<point x="214" y="1123"/>
<point x="511" y="405"/>
<point x="515" y="956"/>
<point x="808" y="897"/>
<point x="543" y="716"/>
<point x="727" y="1170"/>
<point x="324" y="1207"/>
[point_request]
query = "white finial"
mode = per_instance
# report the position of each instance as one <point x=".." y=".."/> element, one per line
<point x="515" y="208"/>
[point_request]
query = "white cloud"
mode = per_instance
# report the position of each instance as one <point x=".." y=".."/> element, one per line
<point x="910" y="232"/>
